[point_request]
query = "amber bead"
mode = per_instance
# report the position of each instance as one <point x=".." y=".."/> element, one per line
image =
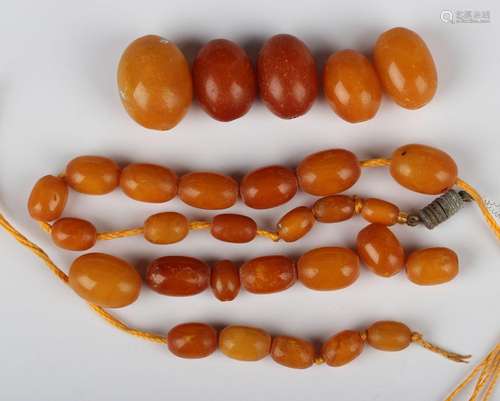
<point x="225" y="280"/>
<point x="292" y="352"/>
<point x="380" y="211"/>
<point x="224" y="80"/>
<point x="295" y="224"/>
<point x="206" y="190"/>
<point x="73" y="234"/>
<point x="389" y="336"/>
<point x="334" y="208"/>
<point x="104" y="280"/>
<point x="233" y="228"/>
<point x="244" y="343"/>
<point x="351" y="86"/>
<point x="328" y="172"/>
<point x="328" y="268"/>
<point x="268" y="187"/>
<point x="155" y="82"/>
<point x="287" y="76"/>
<point x="342" y="348"/>
<point x="166" y="228"/>
<point x="268" y="274"/>
<point x="432" y="266"/>
<point x="92" y="175"/>
<point x="48" y="198"/>
<point x="192" y="340"/>
<point x="148" y="183"/>
<point x="423" y="169"/>
<point x="177" y="275"/>
<point x="380" y="250"/>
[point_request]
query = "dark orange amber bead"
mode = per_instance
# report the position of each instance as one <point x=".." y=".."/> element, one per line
<point x="206" y="190"/>
<point x="166" y="228"/>
<point x="233" y="228"/>
<point x="225" y="280"/>
<point x="287" y="76"/>
<point x="48" y="198"/>
<point x="268" y="187"/>
<point x="155" y="82"/>
<point x="334" y="208"/>
<point x="244" y="343"/>
<point x="92" y="175"/>
<point x="328" y="172"/>
<point x="423" y="169"/>
<point x="389" y="336"/>
<point x="178" y="275"/>
<point x="351" y="86"/>
<point x="192" y="340"/>
<point x="432" y="266"/>
<point x="268" y="274"/>
<point x="224" y="80"/>
<point x="295" y="224"/>
<point x="342" y="348"/>
<point x="380" y="211"/>
<point x="73" y="234"/>
<point x="292" y="352"/>
<point x="148" y="183"/>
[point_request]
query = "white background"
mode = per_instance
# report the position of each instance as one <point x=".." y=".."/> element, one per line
<point x="58" y="99"/>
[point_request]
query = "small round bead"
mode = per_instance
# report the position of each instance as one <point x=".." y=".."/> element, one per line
<point x="92" y="175"/>
<point x="192" y="340"/>
<point x="233" y="228"/>
<point x="166" y="228"/>
<point x="389" y="336"/>
<point x="48" y="198"/>
<point x="295" y="224"/>
<point x="334" y="208"/>
<point x="74" y="234"/>
<point x="292" y="352"/>
<point x="206" y="190"/>
<point x="244" y="343"/>
<point x="380" y="211"/>
<point x="225" y="280"/>
<point x="342" y="348"/>
<point x="432" y="266"/>
<point x="268" y="274"/>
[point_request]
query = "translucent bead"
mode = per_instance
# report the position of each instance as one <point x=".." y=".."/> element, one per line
<point x="432" y="266"/>
<point x="342" y="348"/>
<point x="268" y="274"/>
<point x="166" y="228"/>
<point x="74" y="234"/>
<point x="92" y="175"/>
<point x="295" y="224"/>
<point x="207" y="190"/>
<point x="192" y="340"/>
<point x="48" y="198"/>
<point x="334" y="208"/>
<point x="380" y="211"/>
<point x="389" y="336"/>
<point x="233" y="228"/>
<point x="148" y="183"/>
<point x="292" y="352"/>
<point x="244" y="343"/>
<point x="225" y="280"/>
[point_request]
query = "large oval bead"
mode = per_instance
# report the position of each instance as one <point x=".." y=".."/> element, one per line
<point x="92" y="175"/>
<point x="389" y="336"/>
<point x="342" y="348"/>
<point x="192" y="340"/>
<point x="432" y="266"/>
<point x="244" y="343"/>
<point x="235" y="228"/>
<point x="48" y="198"/>
<point x="207" y="190"/>
<point x="73" y="234"/>
<point x="268" y="274"/>
<point x="148" y="182"/>
<point x="166" y="228"/>
<point x="334" y="208"/>
<point x="292" y="352"/>
<point x="295" y="224"/>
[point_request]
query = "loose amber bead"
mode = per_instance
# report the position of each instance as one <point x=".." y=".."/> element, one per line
<point x="389" y="336"/>
<point x="48" y="198"/>
<point x="155" y="82"/>
<point x="244" y="343"/>
<point x="166" y="228"/>
<point x="224" y="80"/>
<point x="334" y="208"/>
<point x="233" y="228"/>
<point x="192" y="340"/>
<point x="292" y="352"/>
<point x="73" y="234"/>
<point x="225" y="280"/>
<point x="405" y="67"/>
<point x="206" y="190"/>
<point x="104" y="280"/>
<point x="268" y="187"/>
<point x="432" y="266"/>
<point x="92" y="175"/>
<point x="351" y="86"/>
<point x="268" y="274"/>
<point x="178" y="275"/>
<point x="328" y="172"/>
<point x="342" y="348"/>
<point x="328" y="268"/>
<point x="380" y="211"/>
<point x="148" y="183"/>
<point x="380" y="250"/>
<point x="423" y="169"/>
<point x="295" y="224"/>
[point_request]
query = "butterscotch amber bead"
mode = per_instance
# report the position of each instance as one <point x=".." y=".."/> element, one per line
<point x="244" y="343"/>
<point x="206" y="190"/>
<point x="295" y="224"/>
<point x="104" y="280"/>
<point x="389" y="336"/>
<point x="432" y="266"/>
<point x="148" y="183"/>
<point x="166" y="228"/>
<point x="73" y="234"/>
<point x="423" y="169"/>
<point x="92" y="175"/>
<point x="380" y="250"/>
<point x="155" y="82"/>
<point x="405" y="67"/>
<point x="178" y="275"/>
<point x="192" y="340"/>
<point x="342" y="348"/>
<point x="334" y="208"/>
<point x="380" y="211"/>
<point x="328" y="172"/>
<point x="328" y="268"/>
<point x="233" y="228"/>
<point x="268" y="187"/>
<point x="225" y="280"/>
<point x="268" y="274"/>
<point x="292" y="352"/>
<point x="48" y="198"/>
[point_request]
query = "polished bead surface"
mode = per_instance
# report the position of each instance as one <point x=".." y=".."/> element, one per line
<point x="148" y="182"/>
<point x="295" y="224"/>
<point x="166" y="228"/>
<point x="389" y="336"/>
<point x="380" y="211"/>
<point x="233" y="228"/>
<point x="73" y="234"/>
<point x="334" y="208"/>
<point x="48" y="198"/>
<point x="432" y="266"/>
<point x="207" y="190"/>
<point x="192" y="340"/>
<point x="225" y="280"/>
<point x="342" y="348"/>
<point x="268" y="274"/>
<point x="292" y="352"/>
<point x="244" y="343"/>
<point x="92" y="175"/>
<point x="155" y="82"/>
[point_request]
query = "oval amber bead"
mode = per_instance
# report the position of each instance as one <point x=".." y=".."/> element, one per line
<point x="380" y="211"/>
<point x="166" y="228"/>
<point x="178" y="275"/>
<point x="73" y="234"/>
<point x="48" y="198"/>
<point x="225" y="280"/>
<point x="432" y="266"/>
<point x="224" y="80"/>
<point x="206" y="190"/>
<point x="334" y="208"/>
<point x="155" y="82"/>
<point x="244" y="343"/>
<point x="292" y="352"/>
<point x="342" y="348"/>
<point x="104" y="280"/>
<point x="233" y="228"/>
<point x="389" y="336"/>
<point x="351" y="86"/>
<point x="192" y="340"/>
<point x="268" y="274"/>
<point x="423" y="169"/>
<point x="92" y="175"/>
<point x="328" y="268"/>
<point x="148" y="183"/>
<point x="295" y="224"/>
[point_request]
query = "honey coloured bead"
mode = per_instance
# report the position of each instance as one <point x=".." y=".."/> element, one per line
<point x="148" y="183"/>
<point x="166" y="228"/>
<point x="292" y="352"/>
<point x="268" y="274"/>
<point x="48" y="198"/>
<point x="244" y="343"/>
<point x="92" y="175"/>
<point x="295" y="224"/>
<point x="342" y="348"/>
<point x="73" y="234"/>
<point x="334" y="208"/>
<point x="380" y="211"/>
<point x="225" y="280"/>
<point x="192" y="340"/>
<point x="388" y="336"/>
<point x="207" y="190"/>
<point x="233" y="228"/>
<point x="432" y="266"/>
